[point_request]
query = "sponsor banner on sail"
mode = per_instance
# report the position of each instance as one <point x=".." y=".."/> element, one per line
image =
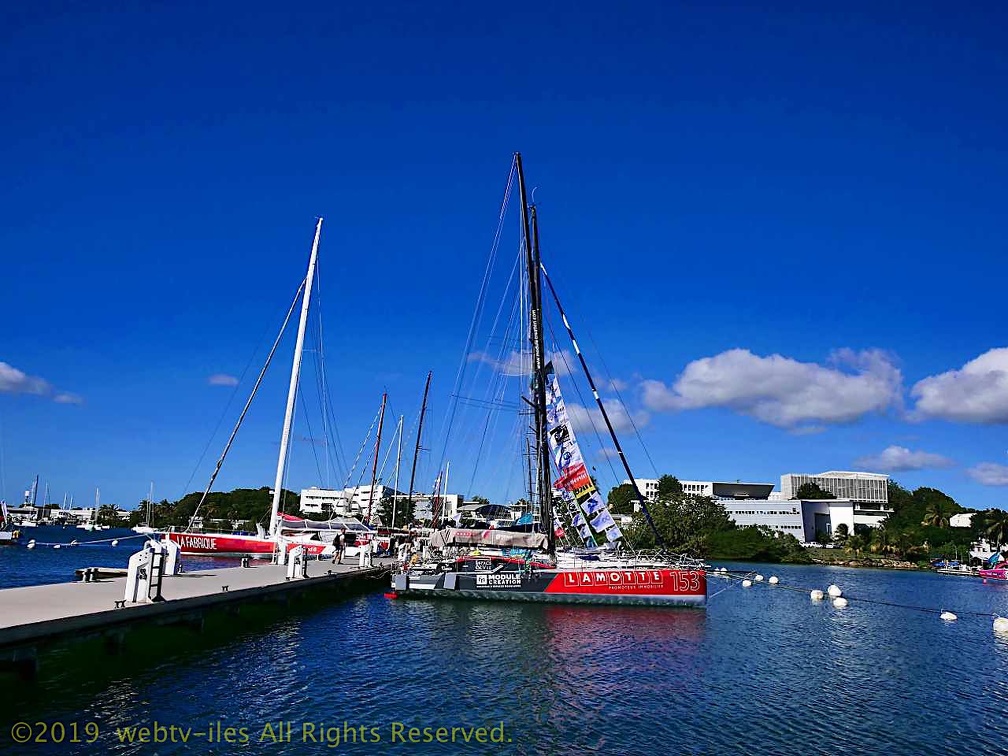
<point x="602" y="521"/>
<point x="614" y="534"/>
<point x="573" y="478"/>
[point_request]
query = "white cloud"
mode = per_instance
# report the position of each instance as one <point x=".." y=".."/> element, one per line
<point x="782" y="391"/>
<point x="520" y="363"/>
<point x="65" y="397"/>
<point x="14" y="381"/>
<point x="583" y="419"/>
<point x="899" y="458"/>
<point x="989" y="474"/>
<point x="976" y="393"/>
<point x="222" y="379"/>
<point x="617" y="385"/>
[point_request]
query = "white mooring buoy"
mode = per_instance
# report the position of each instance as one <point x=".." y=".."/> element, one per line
<point x="724" y="569"/>
<point x="758" y="578"/>
<point x="115" y="542"/>
<point x="839" y="602"/>
<point x="773" y="580"/>
<point x="834" y="591"/>
<point x="1001" y="624"/>
<point x="948" y="616"/>
<point x="817" y="595"/>
<point x="747" y="583"/>
<point x="31" y="544"/>
<point x="56" y="546"/>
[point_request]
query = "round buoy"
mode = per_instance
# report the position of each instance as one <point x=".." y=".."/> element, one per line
<point x="56" y="546"/>
<point x="839" y="602"/>
<point x="115" y="541"/>
<point x="834" y="591"/>
<point x="948" y="616"/>
<point x="391" y="595"/>
<point x="31" y="544"/>
<point x="758" y="578"/>
<point x="1001" y="624"/>
<point x="73" y="542"/>
<point x="817" y="595"/>
<point x="773" y="580"/>
<point x="724" y="569"/>
<point x="747" y="583"/>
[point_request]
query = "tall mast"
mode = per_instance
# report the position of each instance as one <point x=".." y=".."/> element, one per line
<point x="292" y="391"/>
<point x="395" y="486"/>
<point x="416" y="450"/>
<point x="150" y="505"/>
<point x="531" y="229"/>
<point x="377" y="447"/>
<point x="602" y="409"/>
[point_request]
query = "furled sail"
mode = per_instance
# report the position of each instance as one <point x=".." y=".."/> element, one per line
<point x="573" y="482"/>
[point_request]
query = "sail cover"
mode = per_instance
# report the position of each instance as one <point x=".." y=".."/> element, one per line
<point x="500" y="538"/>
<point x="573" y="480"/>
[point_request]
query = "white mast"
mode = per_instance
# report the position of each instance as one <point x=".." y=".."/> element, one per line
<point x="292" y="391"/>
<point x="395" y="486"/>
<point x="150" y="504"/>
<point x="444" y="492"/>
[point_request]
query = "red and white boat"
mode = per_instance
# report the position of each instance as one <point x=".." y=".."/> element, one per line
<point x="237" y="545"/>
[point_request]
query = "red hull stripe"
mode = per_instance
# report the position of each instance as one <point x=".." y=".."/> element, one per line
<point x="630" y="582"/>
<point x="204" y="543"/>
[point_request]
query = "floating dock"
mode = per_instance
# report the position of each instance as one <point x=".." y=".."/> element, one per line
<point x="34" y="619"/>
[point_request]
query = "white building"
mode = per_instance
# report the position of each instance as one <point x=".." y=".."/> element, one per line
<point x="961" y="520"/>
<point x="353" y="501"/>
<point x="758" y="504"/>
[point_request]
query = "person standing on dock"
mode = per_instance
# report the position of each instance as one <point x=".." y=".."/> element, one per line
<point x="340" y="547"/>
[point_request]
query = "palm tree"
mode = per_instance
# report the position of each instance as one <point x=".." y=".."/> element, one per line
<point x="855" y="543"/>
<point x="841" y="533"/>
<point x="996" y="529"/>
<point x="936" y="515"/>
<point x="882" y="541"/>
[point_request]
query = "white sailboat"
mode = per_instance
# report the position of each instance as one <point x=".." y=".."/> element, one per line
<point x="147" y="528"/>
<point x="264" y="543"/>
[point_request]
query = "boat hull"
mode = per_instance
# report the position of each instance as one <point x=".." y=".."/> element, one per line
<point x="228" y="545"/>
<point x="624" y="587"/>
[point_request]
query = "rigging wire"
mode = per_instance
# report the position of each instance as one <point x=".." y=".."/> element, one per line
<point x="619" y="396"/>
<point x="447" y="424"/>
<point x="234" y="393"/>
<point x="248" y="404"/>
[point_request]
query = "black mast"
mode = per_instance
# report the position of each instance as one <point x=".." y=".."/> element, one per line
<point x="531" y="229"/>
<point x="416" y="451"/>
<point x="601" y="406"/>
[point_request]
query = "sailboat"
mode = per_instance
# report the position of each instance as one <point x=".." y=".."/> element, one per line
<point x="266" y="542"/>
<point x="146" y="527"/>
<point x="8" y="536"/>
<point x="518" y="565"/>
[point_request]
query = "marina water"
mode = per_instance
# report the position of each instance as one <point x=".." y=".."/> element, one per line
<point x="763" y="670"/>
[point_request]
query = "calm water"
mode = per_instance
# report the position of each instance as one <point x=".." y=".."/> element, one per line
<point x="762" y="671"/>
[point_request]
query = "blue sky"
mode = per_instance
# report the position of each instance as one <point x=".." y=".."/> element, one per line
<point x="717" y="186"/>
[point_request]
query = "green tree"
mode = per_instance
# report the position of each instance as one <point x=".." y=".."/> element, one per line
<point x="402" y="509"/>
<point x="996" y="521"/>
<point x="684" y="524"/>
<point x="855" y="543"/>
<point x="108" y="514"/>
<point x="479" y="500"/>
<point x="811" y="490"/>
<point x="936" y="515"/>
<point x="669" y="486"/>
<point x="621" y="499"/>
<point x="841" y="534"/>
